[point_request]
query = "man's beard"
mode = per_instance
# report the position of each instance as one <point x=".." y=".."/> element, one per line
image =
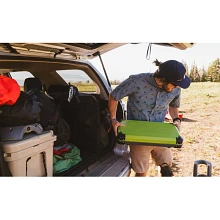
<point x="165" y="88"/>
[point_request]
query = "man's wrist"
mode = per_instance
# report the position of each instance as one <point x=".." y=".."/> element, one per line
<point x="177" y="119"/>
<point x="113" y="119"/>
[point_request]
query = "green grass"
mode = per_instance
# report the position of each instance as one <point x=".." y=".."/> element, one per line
<point x="201" y="95"/>
<point x="203" y="91"/>
<point x="87" y="87"/>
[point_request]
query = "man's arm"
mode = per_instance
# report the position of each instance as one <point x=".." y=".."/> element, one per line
<point x="174" y="113"/>
<point x="112" y="106"/>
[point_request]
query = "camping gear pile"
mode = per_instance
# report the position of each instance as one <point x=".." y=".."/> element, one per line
<point x="25" y="114"/>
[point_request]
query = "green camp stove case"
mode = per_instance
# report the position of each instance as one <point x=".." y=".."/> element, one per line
<point x="149" y="133"/>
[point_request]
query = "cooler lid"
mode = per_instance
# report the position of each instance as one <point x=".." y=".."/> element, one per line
<point x="29" y="140"/>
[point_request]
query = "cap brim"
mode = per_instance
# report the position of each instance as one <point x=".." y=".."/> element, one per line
<point x="184" y="84"/>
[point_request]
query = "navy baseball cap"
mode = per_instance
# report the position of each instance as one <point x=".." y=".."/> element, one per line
<point x="174" y="71"/>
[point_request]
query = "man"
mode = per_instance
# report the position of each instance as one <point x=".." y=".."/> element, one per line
<point x="150" y="95"/>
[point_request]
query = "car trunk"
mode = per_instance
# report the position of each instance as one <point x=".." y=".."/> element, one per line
<point x="88" y="120"/>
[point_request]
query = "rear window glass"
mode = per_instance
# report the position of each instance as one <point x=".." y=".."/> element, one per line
<point x="79" y="79"/>
<point x="20" y="76"/>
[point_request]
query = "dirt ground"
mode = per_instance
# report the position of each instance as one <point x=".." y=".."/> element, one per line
<point x="200" y="129"/>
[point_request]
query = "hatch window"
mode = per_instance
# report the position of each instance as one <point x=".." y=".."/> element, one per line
<point x="79" y="79"/>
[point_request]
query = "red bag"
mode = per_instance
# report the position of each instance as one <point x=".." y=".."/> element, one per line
<point x="9" y="91"/>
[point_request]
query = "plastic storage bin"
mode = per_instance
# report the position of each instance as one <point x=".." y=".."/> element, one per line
<point x="31" y="156"/>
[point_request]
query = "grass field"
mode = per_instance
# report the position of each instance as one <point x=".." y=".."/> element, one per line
<point x="200" y="129"/>
<point x="82" y="87"/>
<point x="85" y="87"/>
<point x="200" y="106"/>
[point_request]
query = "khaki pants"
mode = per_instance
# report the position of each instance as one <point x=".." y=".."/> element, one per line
<point x="140" y="156"/>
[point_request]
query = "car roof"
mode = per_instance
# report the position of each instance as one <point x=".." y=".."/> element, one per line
<point x="71" y="51"/>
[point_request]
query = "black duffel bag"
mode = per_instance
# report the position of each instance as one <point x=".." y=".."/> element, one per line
<point x="24" y="111"/>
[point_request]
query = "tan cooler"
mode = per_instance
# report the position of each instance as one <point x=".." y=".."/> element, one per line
<point x="31" y="156"/>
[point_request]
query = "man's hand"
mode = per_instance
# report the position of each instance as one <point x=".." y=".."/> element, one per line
<point x="115" y="125"/>
<point x="177" y="123"/>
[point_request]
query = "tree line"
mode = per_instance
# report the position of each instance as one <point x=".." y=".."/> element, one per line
<point x="211" y="74"/>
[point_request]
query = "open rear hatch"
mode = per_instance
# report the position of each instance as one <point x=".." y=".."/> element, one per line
<point x="71" y="51"/>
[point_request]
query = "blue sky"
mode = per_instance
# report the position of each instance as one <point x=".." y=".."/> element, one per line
<point x="131" y="59"/>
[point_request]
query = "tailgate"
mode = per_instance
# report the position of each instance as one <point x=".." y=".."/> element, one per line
<point x="113" y="166"/>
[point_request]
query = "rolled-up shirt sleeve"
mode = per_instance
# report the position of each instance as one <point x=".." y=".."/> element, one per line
<point x="175" y="103"/>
